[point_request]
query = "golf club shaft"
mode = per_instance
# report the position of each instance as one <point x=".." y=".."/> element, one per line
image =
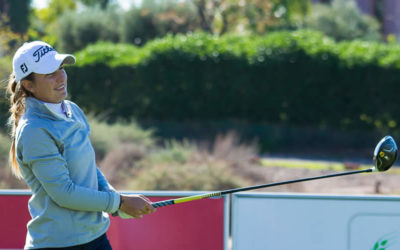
<point x="229" y="191"/>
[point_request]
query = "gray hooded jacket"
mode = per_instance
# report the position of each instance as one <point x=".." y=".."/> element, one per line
<point x="71" y="197"/>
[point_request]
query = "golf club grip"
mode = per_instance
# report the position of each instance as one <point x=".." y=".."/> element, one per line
<point x="163" y="203"/>
<point x="184" y="199"/>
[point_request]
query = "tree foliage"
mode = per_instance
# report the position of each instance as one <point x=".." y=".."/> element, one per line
<point x="94" y="3"/>
<point x="44" y="25"/>
<point x="15" y="13"/>
<point x="343" y="20"/>
<point x="253" y="16"/>
<point x="157" y="18"/>
<point x="78" y="30"/>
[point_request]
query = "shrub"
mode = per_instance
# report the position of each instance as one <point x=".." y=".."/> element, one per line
<point x="5" y="143"/>
<point x="180" y="165"/>
<point x="156" y="19"/>
<point x="7" y="180"/>
<point x="296" y="79"/>
<point x="225" y="164"/>
<point x="5" y="67"/>
<point x="112" y="54"/>
<point x="343" y="20"/>
<point x="5" y="70"/>
<point x="172" y="151"/>
<point x="106" y="137"/>
<point x="138" y="27"/>
<point x="185" y="177"/>
<point x="76" y="30"/>
<point x="122" y="163"/>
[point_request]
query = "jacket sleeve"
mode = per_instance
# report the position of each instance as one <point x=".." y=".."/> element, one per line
<point x="39" y="152"/>
<point x="104" y="185"/>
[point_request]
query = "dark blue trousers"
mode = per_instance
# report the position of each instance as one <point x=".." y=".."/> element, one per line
<point x="100" y="243"/>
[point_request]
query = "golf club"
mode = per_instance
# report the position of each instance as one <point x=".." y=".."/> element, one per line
<point x="385" y="155"/>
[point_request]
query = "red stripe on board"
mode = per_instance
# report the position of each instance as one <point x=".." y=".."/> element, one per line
<point x="195" y="225"/>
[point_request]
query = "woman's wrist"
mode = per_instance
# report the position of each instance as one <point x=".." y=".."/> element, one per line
<point x="121" y="200"/>
<point x="119" y="206"/>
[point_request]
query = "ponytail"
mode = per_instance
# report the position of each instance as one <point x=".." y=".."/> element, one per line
<point x="18" y="95"/>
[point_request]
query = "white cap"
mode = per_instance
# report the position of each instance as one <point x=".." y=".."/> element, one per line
<point x="38" y="57"/>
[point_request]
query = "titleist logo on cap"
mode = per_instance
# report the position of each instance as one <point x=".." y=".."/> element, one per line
<point x="40" y="52"/>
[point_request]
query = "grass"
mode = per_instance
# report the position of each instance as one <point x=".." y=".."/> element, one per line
<point x="319" y="165"/>
<point x="310" y="164"/>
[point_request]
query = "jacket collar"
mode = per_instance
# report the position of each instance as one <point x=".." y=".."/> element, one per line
<point x="35" y="106"/>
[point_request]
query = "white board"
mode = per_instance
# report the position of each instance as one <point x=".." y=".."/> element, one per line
<point x="263" y="221"/>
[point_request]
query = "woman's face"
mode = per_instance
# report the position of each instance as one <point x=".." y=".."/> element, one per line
<point x="50" y="88"/>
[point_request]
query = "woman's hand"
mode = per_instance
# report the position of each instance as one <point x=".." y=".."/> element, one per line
<point x="136" y="205"/>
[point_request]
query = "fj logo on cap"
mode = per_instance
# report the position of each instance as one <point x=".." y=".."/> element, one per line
<point x="24" y="68"/>
<point x="40" y="52"/>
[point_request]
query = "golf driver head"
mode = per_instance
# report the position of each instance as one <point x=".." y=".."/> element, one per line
<point x="385" y="154"/>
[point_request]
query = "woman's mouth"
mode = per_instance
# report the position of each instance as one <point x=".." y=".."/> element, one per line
<point x="62" y="87"/>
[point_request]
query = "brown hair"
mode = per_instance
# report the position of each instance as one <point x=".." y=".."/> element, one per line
<point x="18" y="95"/>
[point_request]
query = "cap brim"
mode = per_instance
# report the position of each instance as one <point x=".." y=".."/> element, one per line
<point x="52" y="63"/>
<point x="67" y="58"/>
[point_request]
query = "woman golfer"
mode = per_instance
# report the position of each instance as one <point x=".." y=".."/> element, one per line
<point x="51" y="150"/>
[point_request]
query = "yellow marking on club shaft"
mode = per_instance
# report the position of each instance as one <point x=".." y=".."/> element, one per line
<point x="195" y="197"/>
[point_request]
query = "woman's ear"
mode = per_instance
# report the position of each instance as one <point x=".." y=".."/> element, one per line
<point x="28" y="85"/>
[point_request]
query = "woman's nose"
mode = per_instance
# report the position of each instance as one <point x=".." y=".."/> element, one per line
<point x="61" y="75"/>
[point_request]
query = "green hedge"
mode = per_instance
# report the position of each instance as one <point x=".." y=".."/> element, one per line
<point x="299" y="78"/>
